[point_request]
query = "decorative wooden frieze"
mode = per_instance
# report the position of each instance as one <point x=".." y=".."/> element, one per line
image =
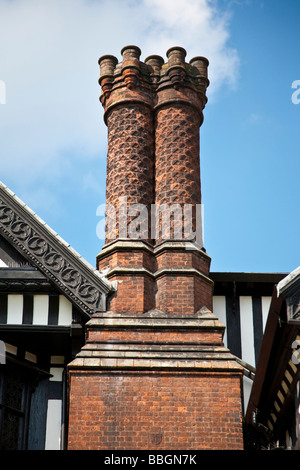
<point x="71" y="274"/>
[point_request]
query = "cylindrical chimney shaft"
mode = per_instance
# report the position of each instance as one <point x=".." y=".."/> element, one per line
<point x="178" y="117"/>
<point x="127" y="99"/>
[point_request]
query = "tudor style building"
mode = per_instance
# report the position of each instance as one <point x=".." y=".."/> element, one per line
<point x="158" y="353"/>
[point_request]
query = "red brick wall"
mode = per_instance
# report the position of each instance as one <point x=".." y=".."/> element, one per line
<point x="135" y="294"/>
<point x="170" y="291"/>
<point x="182" y="294"/>
<point x="146" y="411"/>
<point x="153" y="336"/>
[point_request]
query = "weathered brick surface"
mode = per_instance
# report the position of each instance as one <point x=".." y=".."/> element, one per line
<point x="182" y="293"/>
<point x="182" y="258"/>
<point x="135" y="293"/>
<point x="147" y="411"/>
<point x="160" y="286"/>
<point x="156" y="337"/>
<point x="127" y="258"/>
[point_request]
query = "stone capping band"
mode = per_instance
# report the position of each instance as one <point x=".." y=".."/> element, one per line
<point x="94" y="351"/>
<point x="161" y="272"/>
<point x="156" y="319"/>
<point x="121" y="364"/>
<point x="116" y="364"/>
<point x="142" y="245"/>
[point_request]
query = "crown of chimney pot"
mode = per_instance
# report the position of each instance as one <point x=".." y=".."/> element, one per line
<point x="146" y="79"/>
<point x="176" y="55"/>
<point x="107" y="65"/>
<point x="131" y="65"/>
<point x="131" y="53"/>
<point x="154" y="64"/>
<point x="201" y="63"/>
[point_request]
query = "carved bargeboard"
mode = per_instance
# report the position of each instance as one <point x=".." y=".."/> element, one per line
<point x="49" y="253"/>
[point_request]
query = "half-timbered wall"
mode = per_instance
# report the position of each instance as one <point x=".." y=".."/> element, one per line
<point x="35" y="309"/>
<point x="46" y="423"/>
<point x="37" y="330"/>
<point x="241" y="301"/>
<point x="244" y="329"/>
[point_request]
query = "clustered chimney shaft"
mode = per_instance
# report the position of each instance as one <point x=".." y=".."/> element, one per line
<point x="153" y="111"/>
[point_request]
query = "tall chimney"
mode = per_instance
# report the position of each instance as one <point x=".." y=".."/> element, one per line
<point x="127" y="97"/>
<point x="178" y="114"/>
<point x="154" y="372"/>
<point x="153" y="111"/>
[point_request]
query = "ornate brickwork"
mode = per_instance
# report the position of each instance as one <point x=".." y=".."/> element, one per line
<point x="129" y="162"/>
<point x="177" y="179"/>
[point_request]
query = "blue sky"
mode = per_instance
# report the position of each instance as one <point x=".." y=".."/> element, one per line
<point x="53" y="139"/>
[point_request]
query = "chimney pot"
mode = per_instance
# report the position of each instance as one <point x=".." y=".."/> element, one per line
<point x="131" y="52"/>
<point x="107" y="65"/>
<point x="201" y="64"/>
<point x="176" y="53"/>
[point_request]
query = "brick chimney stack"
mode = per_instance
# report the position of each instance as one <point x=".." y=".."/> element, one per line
<point x="153" y="111"/>
<point x="178" y="115"/>
<point x="154" y="373"/>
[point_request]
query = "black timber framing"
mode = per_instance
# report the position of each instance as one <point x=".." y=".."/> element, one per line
<point x="234" y="285"/>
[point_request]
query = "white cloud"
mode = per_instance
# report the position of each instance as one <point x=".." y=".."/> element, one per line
<point x="52" y="121"/>
<point x="202" y="29"/>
